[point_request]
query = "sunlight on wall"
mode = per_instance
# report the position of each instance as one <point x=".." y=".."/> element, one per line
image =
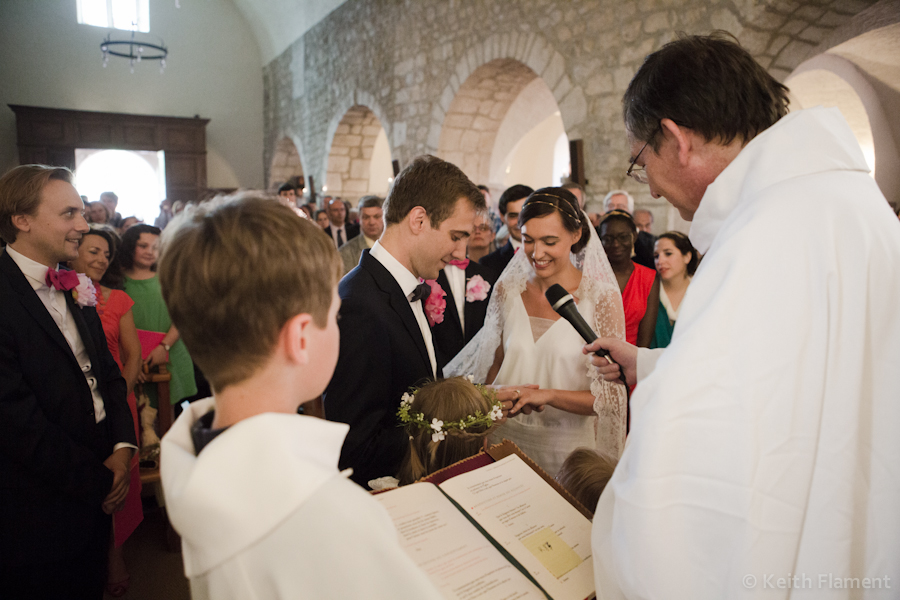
<point x="137" y="178"/>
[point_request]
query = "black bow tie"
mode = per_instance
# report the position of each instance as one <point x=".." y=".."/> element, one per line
<point x="422" y="291"/>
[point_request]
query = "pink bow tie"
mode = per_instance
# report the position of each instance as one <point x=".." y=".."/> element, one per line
<point x="61" y="280"/>
<point x="462" y="264"/>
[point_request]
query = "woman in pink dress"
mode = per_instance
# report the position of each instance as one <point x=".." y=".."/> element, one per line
<point x="95" y="254"/>
<point x="638" y="284"/>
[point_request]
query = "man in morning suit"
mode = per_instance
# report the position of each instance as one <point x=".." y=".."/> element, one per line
<point x="511" y="202"/>
<point x="386" y="344"/>
<point x="68" y="433"/>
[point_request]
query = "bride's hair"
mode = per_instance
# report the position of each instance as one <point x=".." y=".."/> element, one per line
<point x="446" y="400"/>
<point x="548" y="200"/>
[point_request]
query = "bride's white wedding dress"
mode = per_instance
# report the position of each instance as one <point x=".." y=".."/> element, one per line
<point x="554" y="361"/>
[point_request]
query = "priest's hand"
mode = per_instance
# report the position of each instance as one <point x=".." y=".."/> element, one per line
<point x="622" y="353"/>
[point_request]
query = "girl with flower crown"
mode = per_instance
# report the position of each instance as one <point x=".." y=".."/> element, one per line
<point x="524" y="341"/>
<point x="447" y="421"/>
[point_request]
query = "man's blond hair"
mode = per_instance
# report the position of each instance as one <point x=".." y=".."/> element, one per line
<point x="233" y="271"/>
<point x="20" y="193"/>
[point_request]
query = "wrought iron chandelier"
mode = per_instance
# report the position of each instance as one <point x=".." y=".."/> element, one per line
<point x="135" y="49"/>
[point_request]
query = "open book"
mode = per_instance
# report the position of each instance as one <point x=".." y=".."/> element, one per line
<point x="499" y="531"/>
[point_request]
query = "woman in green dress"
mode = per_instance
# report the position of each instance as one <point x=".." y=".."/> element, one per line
<point x="138" y="256"/>
<point x="676" y="260"/>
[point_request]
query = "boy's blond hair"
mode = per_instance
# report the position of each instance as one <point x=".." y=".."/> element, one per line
<point x="585" y="473"/>
<point x="233" y="271"/>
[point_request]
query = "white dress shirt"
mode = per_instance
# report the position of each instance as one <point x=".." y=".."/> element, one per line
<point x="334" y="235"/>
<point x="55" y="302"/>
<point x="457" y="279"/>
<point x="408" y="282"/>
<point x="516" y="244"/>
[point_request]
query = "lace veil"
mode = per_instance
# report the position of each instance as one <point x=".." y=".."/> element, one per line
<point x="599" y="287"/>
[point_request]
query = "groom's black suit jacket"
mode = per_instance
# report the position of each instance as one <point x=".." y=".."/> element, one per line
<point x="382" y="354"/>
<point x="52" y="478"/>
<point x="449" y="337"/>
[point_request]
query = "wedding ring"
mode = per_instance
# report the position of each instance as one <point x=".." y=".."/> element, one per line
<point x="518" y="393"/>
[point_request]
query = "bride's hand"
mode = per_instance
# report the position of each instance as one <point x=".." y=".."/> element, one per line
<point x="509" y="394"/>
<point x="531" y="399"/>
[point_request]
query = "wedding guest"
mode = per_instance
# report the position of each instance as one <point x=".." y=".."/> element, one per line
<point x="288" y="195"/>
<point x="511" y="201"/>
<point x="482" y="241"/>
<point x="338" y="228"/>
<point x="111" y="201"/>
<point x="370" y="230"/>
<point x="129" y="222"/>
<point x="165" y="214"/>
<point x="585" y="474"/>
<point x="322" y="218"/>
<point x="138" y="257"/>
<point x="97" y="213"/>
<point x="643" y="218"/>
<point x="524" y="341"/>
<point x="273" y="518"/>
<point x="638" y="284"/>
<point x="468" y="413"/>
<point x="676" y="261"/>
<point x="68" y="436"/>
<point x="643" y="243"/>
<point x="96" y="252"/>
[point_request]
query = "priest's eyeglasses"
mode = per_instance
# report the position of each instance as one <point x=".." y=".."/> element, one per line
<point x="639" y="174"/>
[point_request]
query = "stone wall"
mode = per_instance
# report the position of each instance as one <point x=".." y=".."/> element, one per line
<point x="419" y="66"/>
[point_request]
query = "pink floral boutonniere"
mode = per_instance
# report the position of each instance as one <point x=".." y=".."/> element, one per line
<point x="477" y="289"/>
<point x="435" y="303"/>
<point x="85" y="294"/>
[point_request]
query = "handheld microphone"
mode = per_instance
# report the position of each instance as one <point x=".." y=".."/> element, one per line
<point x="562" y="302"/>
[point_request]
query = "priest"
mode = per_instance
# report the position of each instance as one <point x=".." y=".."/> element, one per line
<point x="763" y="457"/>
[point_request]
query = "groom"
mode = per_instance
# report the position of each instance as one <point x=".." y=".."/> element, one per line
<point x="68" y="435"/>
<point x="386" y="344"/>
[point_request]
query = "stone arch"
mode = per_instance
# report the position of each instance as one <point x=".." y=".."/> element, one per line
<point x="359" y="152"/>
<point x="523" y="57"/>
<point x="287" y="164"/>
<point x="830" y="79"/>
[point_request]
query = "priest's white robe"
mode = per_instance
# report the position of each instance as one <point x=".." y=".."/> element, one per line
<point x="765" y="442"/>
<point x="264" y="513"/>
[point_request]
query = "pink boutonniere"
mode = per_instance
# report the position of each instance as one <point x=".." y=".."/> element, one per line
<point x="85" y="294"/>
<point x="435" y="303"/>
<point x="477" y="289"/>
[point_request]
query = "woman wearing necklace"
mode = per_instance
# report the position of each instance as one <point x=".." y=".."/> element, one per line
<point x="638" y="284"/>
<point x="676" y="261"/>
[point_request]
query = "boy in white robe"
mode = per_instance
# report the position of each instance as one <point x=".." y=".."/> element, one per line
<point x="763" y="459"/>
<point x="252" y="487"/>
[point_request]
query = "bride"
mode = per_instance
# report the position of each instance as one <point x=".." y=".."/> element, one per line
<point x="524" y="341"/>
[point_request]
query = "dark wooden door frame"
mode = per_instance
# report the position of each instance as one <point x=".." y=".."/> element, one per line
<point x="51" y="135"/>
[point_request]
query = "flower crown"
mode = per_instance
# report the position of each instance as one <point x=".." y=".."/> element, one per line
<point x="439" y="428"/>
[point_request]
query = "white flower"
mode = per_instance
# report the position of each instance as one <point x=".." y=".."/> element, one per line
<point x="496" y="413"/>
<point x="437" y="425"/>
<point x="406" y="399"/>
<point x="470" y="378"/>
<point x="437" y="437"/>
<point x="85" y="294"/>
